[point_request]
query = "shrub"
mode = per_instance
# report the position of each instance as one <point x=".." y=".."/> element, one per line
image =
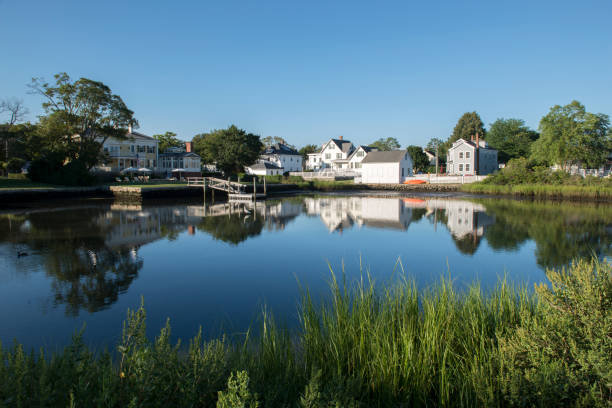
<point x="51" y="168"/>
<point x="15" y="164"/>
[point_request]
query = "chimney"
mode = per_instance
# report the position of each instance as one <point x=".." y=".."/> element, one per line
<point x="340" y="137"/>
<point x="188" y="147"/>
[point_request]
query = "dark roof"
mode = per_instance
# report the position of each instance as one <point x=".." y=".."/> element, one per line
<point x="392" y="156"/>
<point x="137" y="135"/>
<point x="367" y="149"/>
<point x="265" y="165"/>
<point x="344" y="145"/>
<point x="280" y="148"/>
<point x="178" y="154"/>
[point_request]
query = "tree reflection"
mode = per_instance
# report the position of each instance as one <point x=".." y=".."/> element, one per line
<point x="87" y="273"/>
<point x="232" y="228"/>
<point x="561" y="231"/>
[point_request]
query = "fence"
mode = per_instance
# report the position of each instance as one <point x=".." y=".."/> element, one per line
<point x="444" y="179"/>
<point x="326" y="174"/>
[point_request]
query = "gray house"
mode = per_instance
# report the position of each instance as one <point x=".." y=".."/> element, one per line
<point x="470" y="158"/>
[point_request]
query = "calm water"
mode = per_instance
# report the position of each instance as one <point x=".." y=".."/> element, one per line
<point x="217" y="267"/>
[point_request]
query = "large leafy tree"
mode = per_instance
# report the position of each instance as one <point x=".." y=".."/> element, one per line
<point x="168" y="140"/>
<point x="467" y="126"/>
<point x="420" y="161"/>
<point x="571" y="135"/>
<point x="270" y="140"/>
<point x="80" y="115"/>
<point x="230" y="149"/>
<point x="387" y="144"/>
<point x="511" y="137"/>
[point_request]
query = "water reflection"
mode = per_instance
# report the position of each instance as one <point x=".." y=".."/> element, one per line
<point x="92" y="252"/>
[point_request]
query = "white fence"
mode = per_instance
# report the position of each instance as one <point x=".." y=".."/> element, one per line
<point x="444" y="179"/>
<point x="326" y="174"/>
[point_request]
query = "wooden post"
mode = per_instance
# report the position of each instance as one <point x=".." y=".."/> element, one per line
<point x="265" y="192"/>
<point x="204" y="188"/>
<point x="254" y="189"/>
<point x="212" y="190"/>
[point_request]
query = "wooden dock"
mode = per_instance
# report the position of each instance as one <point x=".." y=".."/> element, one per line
<point x="235" y="191"/>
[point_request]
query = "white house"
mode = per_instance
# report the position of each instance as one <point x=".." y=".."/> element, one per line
<point x="355" y="159"/>
<point x="333" y="155"/>
<point x="390" y="167"/>
<point x="264" y="168"/>
<point x="283" y="156"/>
<point x="473" y="157"/>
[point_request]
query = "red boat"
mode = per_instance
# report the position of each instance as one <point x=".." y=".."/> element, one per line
<point x="415" y="182"/>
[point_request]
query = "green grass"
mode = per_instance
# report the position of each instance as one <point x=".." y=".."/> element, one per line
<point x="598" y="192"/>
<point x="19" y="181"/>
<point x="398" y="347"/>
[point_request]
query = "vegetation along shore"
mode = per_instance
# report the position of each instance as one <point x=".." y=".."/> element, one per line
<point x="364" y="347"/>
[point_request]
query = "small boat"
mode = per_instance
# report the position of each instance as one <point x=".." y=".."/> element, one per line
<point x="415" y="182"/>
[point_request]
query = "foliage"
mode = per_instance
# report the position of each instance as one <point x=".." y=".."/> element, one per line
<point x="309" y="148"/>
<point x="365" y="347"/>
<point x="468" y="125"/>
<point x="15" y="164"/>
<point x="441" y="146"/>
<point x="419" y="158"/>
<point x="571" y="135"/>
<point x="511" y="138"/>
<point x="387" y="144"/>
<point x="237" y="394"/>
<point x="271" y="140"/>
<point x="168" y="140"/>
<point x="231" y="149"/>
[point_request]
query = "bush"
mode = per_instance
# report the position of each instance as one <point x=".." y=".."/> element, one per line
<point x="15" y="164"/>
<point x="51" y="169"/>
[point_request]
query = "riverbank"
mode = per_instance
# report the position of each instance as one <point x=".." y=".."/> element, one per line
<point x="400" y="347"/>
<point x="543" y="191"/>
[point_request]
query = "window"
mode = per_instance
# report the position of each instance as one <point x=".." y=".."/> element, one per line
<point x="328" y="155"/>
<point x="467" y="167"/>
<point x="402" y="172"/>
<point x="357" y="165"/>
<point x="132" y="148"/>
<point x="467" y="155"/>
<point x="461" y="167"/>
<point x="360" y="153"/>
<point x="461" y="155"/>
<point x="338" y="155"/>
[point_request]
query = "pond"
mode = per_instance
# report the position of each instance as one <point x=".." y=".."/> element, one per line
<point x="69" y="265"/>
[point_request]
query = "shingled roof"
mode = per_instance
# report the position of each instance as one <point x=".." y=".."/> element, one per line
<point x="392" y="156"/>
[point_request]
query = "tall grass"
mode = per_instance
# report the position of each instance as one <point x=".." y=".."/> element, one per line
<point x="362" y="347"/>
<point x="597" y="192"/>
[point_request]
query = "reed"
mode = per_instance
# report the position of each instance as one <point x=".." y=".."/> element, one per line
<point x="363" y="346"/>
<point x="577" y="192"/>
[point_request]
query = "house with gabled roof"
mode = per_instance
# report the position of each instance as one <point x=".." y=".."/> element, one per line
<point x="136" y="150"/>
<point x="355" y="159"/>
<point x="283" y="156"/>
<point x="333" y="155"/>
<point x="390" y="167"/>
<point x="471" y="157"/>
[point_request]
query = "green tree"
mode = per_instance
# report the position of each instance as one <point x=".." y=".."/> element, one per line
<point x="80" y="116"/>
<point x="309" y="148"/>
<point x="230" y="149"/>
<point x="467" y="126"/>
<point x="168" y="140"/>
<point x="419" y="158"/>
<point x="571" y="135"/>
<point x="441" y="146"/>
<point x="387" y="144"/>
<point x="10" y="131"/>
<point x="270" y="140"/>
<point x="511" y="138"/>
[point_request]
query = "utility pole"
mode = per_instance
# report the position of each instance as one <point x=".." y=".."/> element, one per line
<point x="436" y="161"/>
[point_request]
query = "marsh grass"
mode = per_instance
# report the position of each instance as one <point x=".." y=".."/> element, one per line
<point x="363" y="346"/>
<point x="577" y="192"/>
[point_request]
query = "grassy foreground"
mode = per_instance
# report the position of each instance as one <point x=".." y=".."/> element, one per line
<point x="543" y="190"/>
<point x="400" y="347"/>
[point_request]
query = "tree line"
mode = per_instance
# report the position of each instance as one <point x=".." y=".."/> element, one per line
<point x="566" y="135"/>
<point x="79" y="115"/>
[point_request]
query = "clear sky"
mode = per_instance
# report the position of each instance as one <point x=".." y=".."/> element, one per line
<point x="311" y="70"/>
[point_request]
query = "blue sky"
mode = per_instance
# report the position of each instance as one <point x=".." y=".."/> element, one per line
<point x="308" y="71"/>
